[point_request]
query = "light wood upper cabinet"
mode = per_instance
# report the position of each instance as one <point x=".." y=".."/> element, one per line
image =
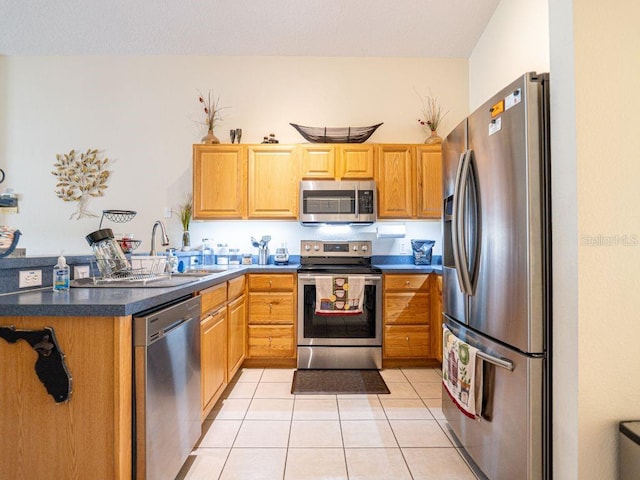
<point x="429" y="172"/>
<point x="273" y="182"/>
<point x="409" y="179"/>
<point x="395" y="176"/>
<point x="356" y="161"/>
<point x="219" y="182"/>
<point x="336" y="161"/>
<point x="317" y="161"/>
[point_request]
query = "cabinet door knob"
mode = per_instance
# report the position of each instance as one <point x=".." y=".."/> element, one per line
<point x="408" y="283"/>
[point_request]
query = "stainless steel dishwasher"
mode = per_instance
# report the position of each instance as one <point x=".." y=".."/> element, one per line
<point x="167" y="388"/>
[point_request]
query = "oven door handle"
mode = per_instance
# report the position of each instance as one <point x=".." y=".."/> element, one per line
<point x="367" y="278"/>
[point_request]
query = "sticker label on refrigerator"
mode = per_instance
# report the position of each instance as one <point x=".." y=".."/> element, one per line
<point x="497" y="109"/>
<point x="513" y="99"/>
<point x="495" y="125"/>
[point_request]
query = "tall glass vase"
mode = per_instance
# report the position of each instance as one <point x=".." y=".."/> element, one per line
<point x="186" y="240"/>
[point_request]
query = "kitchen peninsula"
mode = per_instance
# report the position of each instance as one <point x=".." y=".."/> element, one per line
<point x="91" y="435"/>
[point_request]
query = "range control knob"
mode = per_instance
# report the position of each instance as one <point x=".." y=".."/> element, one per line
<point x="355" y="248"/>
<point x="364" y="248"/>
<point x="316" y="247"/>
<point x="307" y="247"/>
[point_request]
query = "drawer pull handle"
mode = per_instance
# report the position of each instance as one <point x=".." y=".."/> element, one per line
<point x="407" y="339"/>
<point x="408" y="283"/>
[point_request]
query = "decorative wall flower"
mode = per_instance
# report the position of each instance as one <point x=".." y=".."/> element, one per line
<point x="81" y="178"/>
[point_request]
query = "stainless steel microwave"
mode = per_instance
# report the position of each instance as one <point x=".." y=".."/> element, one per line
<point x="334" y="201"/>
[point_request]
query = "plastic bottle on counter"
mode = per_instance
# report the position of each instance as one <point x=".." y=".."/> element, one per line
<point x="222" y="255"/>
<point x="207" y="252"/>
<point x="61" y="275"/>
<point x="234" y="256"/>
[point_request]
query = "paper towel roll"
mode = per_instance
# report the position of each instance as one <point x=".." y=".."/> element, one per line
<point x="393" y="230"/>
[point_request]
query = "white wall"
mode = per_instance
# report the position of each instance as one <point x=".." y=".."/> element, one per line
<point x="515" y="41"/>
<point x="607" y="69"/>
<point x="143" y="114"/>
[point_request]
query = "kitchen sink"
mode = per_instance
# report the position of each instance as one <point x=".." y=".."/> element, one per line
<point x="176" y="279"/>
<point x="198" y="272"/>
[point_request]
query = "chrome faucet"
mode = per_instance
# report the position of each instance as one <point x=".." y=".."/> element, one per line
<point x="165" y="238"/>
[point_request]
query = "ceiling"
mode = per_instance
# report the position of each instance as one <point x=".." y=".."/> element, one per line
<point x="345" y="28"/>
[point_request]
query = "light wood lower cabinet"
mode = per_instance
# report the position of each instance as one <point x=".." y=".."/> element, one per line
<point x="271" y="342"/>
<point x="222" y="336"/>
<point x="272" y="313"/>
<point x="213" y="348"/>
<point x="406" y="341"/>
<point x="236" y="323"/>
<point x="90" y="436"/>
<point x="407" y="317"/>
<point x="436" y="316"/>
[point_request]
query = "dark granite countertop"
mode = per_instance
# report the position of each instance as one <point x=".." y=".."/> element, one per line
<point x="129" y="301"/>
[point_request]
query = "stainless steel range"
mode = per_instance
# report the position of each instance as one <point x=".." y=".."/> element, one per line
<point x="339" y="306"/>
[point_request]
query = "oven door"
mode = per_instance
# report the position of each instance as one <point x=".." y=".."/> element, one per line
<point x="364" y="329"/>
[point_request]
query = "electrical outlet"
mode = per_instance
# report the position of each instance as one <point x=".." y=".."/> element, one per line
<point x="30" y="278"/>
<point x="81" y="271"/>
<point x="167" y="212"/>
<point x="403" y="247"/>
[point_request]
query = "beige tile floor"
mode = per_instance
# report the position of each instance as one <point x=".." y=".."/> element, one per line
<point x="259" y="430"/>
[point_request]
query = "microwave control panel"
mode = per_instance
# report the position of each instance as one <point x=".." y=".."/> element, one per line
<point x="365" y="201"/>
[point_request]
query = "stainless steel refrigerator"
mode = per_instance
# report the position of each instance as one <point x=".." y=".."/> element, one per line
<point x="497" y="276"/>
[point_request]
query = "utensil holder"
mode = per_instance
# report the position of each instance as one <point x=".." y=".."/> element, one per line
<point x="263" y="256"/>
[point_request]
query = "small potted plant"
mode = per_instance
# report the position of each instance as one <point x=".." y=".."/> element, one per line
<point x="184" y="212"/>
<point x="432" y="115"/>
<point x="212" y="115"/>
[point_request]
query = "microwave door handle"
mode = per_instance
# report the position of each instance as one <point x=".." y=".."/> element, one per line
<point x="357" y="209"/>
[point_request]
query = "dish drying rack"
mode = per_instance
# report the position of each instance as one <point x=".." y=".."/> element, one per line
<point x="149" y="270"/>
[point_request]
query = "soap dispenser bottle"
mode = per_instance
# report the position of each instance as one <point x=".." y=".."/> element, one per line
<point x="61" y="275"/>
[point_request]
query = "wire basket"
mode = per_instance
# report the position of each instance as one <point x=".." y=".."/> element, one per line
<point x="117" y="216"/>
<point x="129" y="245"/>
<point x="335" y="135"/>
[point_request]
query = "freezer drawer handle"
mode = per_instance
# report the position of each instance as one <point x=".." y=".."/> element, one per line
<point x="498" y="362"/>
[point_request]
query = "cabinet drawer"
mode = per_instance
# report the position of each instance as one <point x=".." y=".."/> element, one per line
<point x="406" y="308"/>
<point x="236" y="287"/>
<point x="406" y="282"/>
<point x="213" y="297"/>
<point x="265" y="308"/>
<point x="406" y="341"/>
<point x="274" y="342"/>
<point x="267" y="282"/>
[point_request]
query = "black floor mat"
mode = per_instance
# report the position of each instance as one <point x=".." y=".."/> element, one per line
<point x="331" y="382"/>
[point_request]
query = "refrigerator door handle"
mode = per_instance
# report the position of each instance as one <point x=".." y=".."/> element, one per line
<point x="498" y="362"/>
<point x="456" y="221"/>
<point x="460" y="222"/>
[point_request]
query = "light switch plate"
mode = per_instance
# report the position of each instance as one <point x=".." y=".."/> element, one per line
<point x="30" y="278"/>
